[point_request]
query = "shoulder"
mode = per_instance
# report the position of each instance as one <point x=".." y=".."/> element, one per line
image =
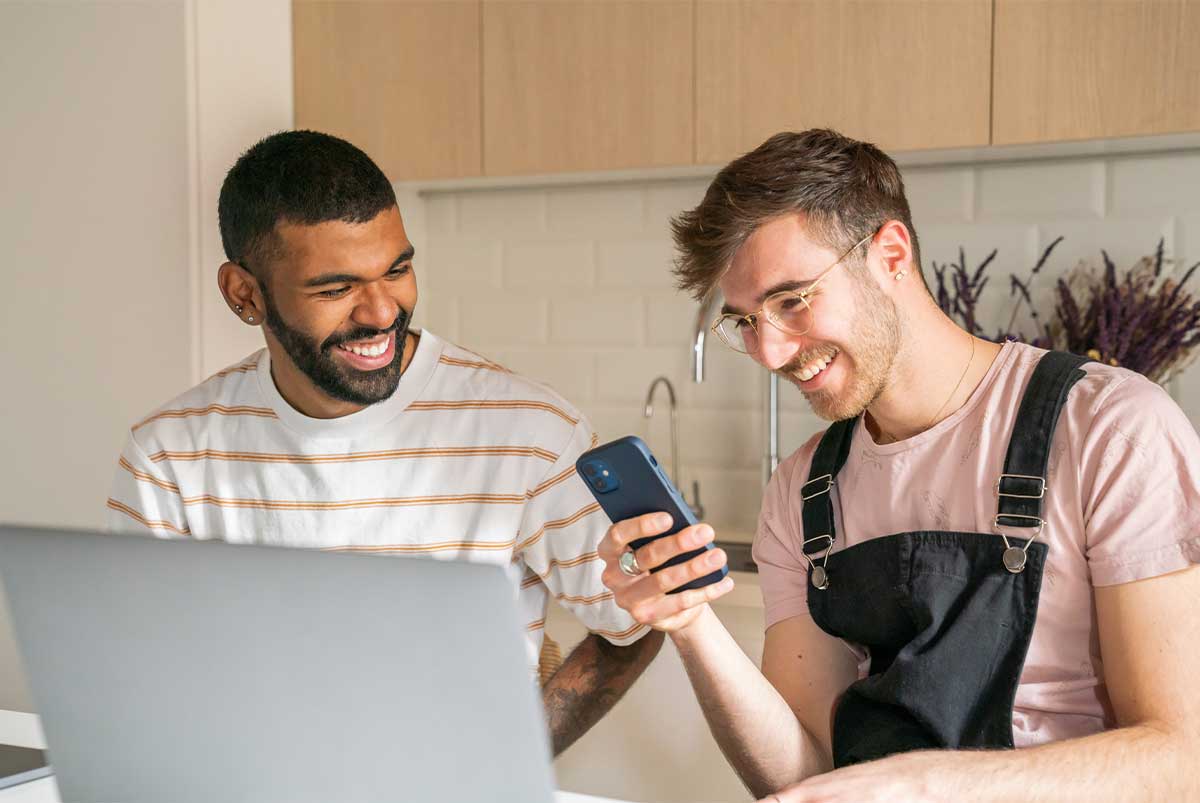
<point x="473" y="390"/>
<point x="231" y="391"/>
<point x="466" y="376"/>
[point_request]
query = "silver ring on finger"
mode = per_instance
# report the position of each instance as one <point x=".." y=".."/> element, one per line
<point x="628" y="564"/>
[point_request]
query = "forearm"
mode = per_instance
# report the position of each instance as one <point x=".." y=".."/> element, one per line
<point x="590" y="682"/>
<point x="754" y="726"/>
<point x="1139" y="763"/>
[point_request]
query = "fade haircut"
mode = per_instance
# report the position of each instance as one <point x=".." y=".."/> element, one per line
<point x="300" y="177"/>
<point x="844" y="188"/>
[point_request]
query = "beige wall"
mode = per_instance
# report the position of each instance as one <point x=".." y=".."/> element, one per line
<point x="119" y="121"/>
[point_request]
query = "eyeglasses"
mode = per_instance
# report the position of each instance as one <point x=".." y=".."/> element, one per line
<point x="788" y="311"/>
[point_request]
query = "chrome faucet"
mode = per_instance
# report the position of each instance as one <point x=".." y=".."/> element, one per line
<point x="648" y="412"/>
<point x="704" y="317"/>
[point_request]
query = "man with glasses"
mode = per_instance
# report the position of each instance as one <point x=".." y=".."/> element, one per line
<point x="992" y="546"/>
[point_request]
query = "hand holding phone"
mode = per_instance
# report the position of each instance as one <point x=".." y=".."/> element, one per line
<point x="627" y="482"/>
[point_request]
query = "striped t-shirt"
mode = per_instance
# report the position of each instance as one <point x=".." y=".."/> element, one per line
<point x="465" y="461"/>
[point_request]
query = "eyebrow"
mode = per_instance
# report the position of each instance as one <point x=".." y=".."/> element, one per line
<point x="350" y="278"/>
<point x="779" y="287"/>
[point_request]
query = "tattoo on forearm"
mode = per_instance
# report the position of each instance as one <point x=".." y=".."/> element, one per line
<point x="590" y="682"/>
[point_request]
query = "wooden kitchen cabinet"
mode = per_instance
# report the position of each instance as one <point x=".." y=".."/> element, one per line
<point x="398" y="78"/>
<point x="1079" y="69"/>
<point x="586" y="85"/>
<point x="904" y="75"/>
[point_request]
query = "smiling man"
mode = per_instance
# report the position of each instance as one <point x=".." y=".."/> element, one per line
<point x="991" y="547"/>
<point x="354" y="431"/>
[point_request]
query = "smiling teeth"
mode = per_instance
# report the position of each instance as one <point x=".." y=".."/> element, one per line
<point x="368" y="351"/>
<point x="815" y="367"/>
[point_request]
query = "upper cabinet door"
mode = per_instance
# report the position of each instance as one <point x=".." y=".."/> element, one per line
<point x="398" y="78"/>
<point x="904" y="75"/>
<point x="586" y="85"/>
<point x="1100" y="68"/>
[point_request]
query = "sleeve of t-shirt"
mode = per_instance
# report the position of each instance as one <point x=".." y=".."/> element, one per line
<point x="1141" y="484"/>
<point x="144" y="500"/>
<point x="782" y="569"/>
<point x="560" y="531"/>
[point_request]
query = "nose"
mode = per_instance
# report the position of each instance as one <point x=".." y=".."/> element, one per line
<point x="775" y="348"/>
<point x="376" y="308"/>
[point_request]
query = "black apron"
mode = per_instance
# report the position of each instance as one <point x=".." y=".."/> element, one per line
<point x="947" y="616"/>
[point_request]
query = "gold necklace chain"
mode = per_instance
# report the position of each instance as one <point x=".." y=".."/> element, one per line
<point x="961" y="377"/>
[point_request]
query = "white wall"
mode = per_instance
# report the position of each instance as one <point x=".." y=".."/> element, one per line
<point x="116" y="116"/>
<point x="570" y="285"/>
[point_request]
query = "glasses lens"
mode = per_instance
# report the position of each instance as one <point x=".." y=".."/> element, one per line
<point x="790" y="312"/>
<point x="738" y="334"/>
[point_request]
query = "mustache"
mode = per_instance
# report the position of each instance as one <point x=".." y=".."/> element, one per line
<point x="362" y="333"/>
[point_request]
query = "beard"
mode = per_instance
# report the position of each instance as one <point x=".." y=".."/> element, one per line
<point x="333" y="377"/>
<point x="872" y="350"/>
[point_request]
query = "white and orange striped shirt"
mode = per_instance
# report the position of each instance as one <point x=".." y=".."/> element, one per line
<point x="465" y="461"/>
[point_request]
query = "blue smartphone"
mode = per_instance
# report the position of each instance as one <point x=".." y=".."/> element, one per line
<point x="627" y="482"/>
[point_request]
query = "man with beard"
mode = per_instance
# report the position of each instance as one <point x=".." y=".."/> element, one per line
<point x="992" y="547"/>
<point x="352" y="431"/>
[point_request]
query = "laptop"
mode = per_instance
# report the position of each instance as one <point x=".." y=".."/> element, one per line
<point x="202" y="671"/>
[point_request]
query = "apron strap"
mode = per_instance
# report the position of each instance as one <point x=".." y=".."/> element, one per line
<point x="1022" y="486"/>
<point x="817" y="504"/>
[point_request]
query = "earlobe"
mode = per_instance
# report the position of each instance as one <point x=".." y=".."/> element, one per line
<point x="237" y="286"/>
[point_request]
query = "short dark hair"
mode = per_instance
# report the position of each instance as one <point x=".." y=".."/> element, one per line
<point x="303" y="177"/>
<point x="845" y="188"/>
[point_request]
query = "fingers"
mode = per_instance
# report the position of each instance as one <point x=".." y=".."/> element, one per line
<point x="647" y="600"/>
<point x="658" y="552"/>
<point x="654" y="611"/>
<point x="623" y="532"/>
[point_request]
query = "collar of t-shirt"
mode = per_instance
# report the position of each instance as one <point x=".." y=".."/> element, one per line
<point x="979" y="396"/>
<point x="418" y="373"/>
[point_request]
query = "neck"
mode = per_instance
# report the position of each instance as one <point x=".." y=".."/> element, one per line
<point x="306" y="398"/>
<point x="935" y="371"/>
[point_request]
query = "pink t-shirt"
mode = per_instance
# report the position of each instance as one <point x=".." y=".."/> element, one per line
<point x="1122" y="504"/>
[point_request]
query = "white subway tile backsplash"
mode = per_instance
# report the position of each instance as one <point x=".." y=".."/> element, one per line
<point x="717" y="438"/>
<point x="616" y="421"/>
<point x="1168" y="183"/>
<point x="635" y="262"/>
<point x="548" y="264"/>
<point x="731" y="498"/>
<point x="665" y="200"/>
<point x="454" y="264"/>
<point x="625" y="375"/>
<point x="441" y="215"/>
<point x="488" y="321"/>
<point x="438" y="313"/>
<point x="940" y="195"/>
<point x="731" y="381"/>
<point x="608" y="211"/>
<point x="1126" y="239"/>
<point x="593" y="319"/>
<point x="1188" y="243"/>
<point x="568" y="372"/>
<point x="502" y="213"/>
<point x="671" y="320"/>
<point x="1036" y="190"/>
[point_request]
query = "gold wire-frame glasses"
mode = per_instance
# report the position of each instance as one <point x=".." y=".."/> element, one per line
<point x="788" y="311"/>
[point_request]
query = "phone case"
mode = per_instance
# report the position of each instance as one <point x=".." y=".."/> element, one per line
<point x="627" y="482"/>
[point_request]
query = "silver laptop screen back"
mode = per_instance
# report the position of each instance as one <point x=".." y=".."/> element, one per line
<point x="192" y="671"/>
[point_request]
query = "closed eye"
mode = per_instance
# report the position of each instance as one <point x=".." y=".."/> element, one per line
<point x="337" y="292"/>
<point x="399" y="270"/>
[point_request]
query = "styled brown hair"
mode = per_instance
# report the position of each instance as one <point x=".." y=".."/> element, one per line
<point x="843" y="187"/>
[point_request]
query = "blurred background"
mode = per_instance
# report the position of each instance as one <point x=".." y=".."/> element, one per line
<point x="539" y="149"/>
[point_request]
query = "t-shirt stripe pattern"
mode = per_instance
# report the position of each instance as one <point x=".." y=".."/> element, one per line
<point x="466" y="461"/>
